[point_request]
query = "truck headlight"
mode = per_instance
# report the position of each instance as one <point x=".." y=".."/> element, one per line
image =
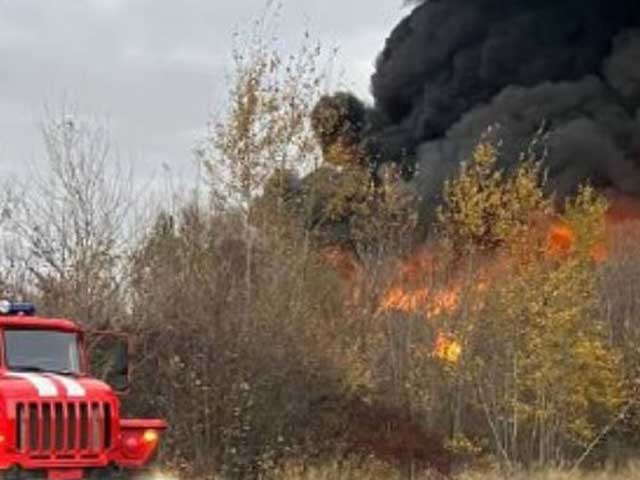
<point x="138" y="443"/>
<point x="150" y="437"/>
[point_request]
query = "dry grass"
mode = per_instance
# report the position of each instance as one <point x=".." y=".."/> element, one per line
<point x="338" y="470"/>
<point x="378" y="471"/>
<point x="632" y="473"/>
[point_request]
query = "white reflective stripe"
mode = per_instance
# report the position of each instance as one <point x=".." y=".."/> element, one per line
<point x="45" y="387"/>
<point x="74" y="389"/>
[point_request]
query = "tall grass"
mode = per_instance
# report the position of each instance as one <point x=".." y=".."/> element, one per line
<point x="631" y="473"/>
<point x="348" y="470"/>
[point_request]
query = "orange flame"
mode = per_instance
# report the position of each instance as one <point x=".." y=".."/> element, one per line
<point x="399" y="300"/>
<point x="623" y="210"/>
<point x="444" y="302"/>
<point x="561" y="239"/>
<point x="447" y="348"/>
<point x="410" y="295"/>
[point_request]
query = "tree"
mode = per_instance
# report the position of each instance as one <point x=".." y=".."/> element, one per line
<point x="265" y="129"/>
<point x="485" y="206"/>
<point x="69" y="223"/>
<point x="266" y="122"/>
<point x="535" y="349"/>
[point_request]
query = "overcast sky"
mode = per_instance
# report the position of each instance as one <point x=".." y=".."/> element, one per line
<point x="155" y="68"/>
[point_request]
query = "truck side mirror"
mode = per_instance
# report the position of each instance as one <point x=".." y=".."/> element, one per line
<point x="109" y="358"/>
<point x="118" y="377"/>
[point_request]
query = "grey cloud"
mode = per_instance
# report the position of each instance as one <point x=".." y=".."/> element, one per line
<point x="155" y="67"/>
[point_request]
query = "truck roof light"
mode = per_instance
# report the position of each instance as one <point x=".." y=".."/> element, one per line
<point x="13" y="308"/>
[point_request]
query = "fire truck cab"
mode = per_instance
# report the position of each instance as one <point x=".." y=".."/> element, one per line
<point x="56" y="420"/>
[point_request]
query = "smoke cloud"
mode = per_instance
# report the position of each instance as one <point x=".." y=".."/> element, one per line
<point x="452" y="68"/>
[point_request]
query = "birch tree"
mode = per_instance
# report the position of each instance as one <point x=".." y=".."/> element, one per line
<point x="69" y="222"/>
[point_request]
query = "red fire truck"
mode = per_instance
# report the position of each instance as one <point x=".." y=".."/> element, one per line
<point x="56" y="420"/>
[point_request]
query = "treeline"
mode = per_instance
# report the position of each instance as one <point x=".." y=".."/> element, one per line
<point x="304" y="313"/>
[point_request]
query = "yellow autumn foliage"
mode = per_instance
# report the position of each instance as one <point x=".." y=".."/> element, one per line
<point x="544" y="373"/>
<point x="485" y="206"/>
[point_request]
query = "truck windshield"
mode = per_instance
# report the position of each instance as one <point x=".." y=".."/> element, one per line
<point x="42" y="351"/>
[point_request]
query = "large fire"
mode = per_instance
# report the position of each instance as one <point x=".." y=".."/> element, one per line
<point x="411" y="292"/>
<point x="414" y="291"/>
<point x="412" y="295"/>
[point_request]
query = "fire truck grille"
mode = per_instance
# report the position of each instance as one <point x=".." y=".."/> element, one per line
<point x="67" y="429"/>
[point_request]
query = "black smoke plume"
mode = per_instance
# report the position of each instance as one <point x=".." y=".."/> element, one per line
<point x="452" y="68"/>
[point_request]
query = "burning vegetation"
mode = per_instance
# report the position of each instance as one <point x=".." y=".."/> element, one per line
<point x="438" y="290"/>
<point x="498" y="286"/>
<point x="444" y="278"/>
